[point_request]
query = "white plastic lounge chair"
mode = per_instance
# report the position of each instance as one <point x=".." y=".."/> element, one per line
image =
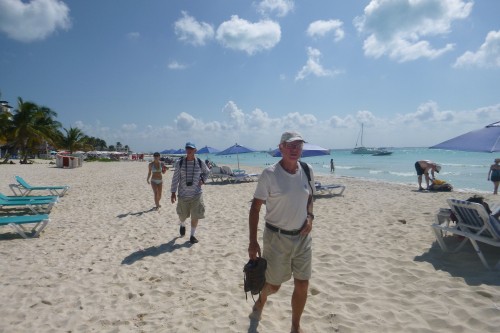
<point x="31" y="197"/>
<point x="220" y="173"/>
<point x="16" y="222"/>
<point x="24" y="189"/>
<point x="244" y="177"/>
<point x="36" y="206"/>
<point x="474" y="223"/>
<point x="329" y="189"/>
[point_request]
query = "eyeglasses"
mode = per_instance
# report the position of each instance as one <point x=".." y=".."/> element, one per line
<point x="293" y="145"/>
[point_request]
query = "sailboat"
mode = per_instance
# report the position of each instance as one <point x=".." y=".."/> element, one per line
<point x="362" y="150"/>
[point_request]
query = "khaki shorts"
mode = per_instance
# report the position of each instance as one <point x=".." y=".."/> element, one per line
<point x="287" y="255"/>
<point x="193" y="207"/>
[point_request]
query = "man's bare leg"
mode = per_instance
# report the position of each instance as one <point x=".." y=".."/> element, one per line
<point x="268" y="290"/>
<point x="299" y="299"/>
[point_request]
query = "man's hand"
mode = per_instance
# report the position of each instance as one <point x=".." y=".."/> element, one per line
<point x="253" y="249"/>
<point x="308" y="225"/>
<point x="173" y="198"/>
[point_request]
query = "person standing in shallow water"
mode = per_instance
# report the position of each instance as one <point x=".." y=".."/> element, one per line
<point x="156" y="169"/>
<point x="332" y="166"/>
<point x="494" y="175"/>
<point x="287" y="193"/>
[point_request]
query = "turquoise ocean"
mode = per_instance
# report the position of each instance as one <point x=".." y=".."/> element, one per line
<point x="466" y="171"/>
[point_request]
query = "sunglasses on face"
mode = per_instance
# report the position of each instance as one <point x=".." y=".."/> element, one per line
<point x="293" y="145"/>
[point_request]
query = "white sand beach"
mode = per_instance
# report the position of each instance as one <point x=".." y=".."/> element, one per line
<point x="107" y="262"/>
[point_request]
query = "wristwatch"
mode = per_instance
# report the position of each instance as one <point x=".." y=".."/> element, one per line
<point x="311" y="215"/>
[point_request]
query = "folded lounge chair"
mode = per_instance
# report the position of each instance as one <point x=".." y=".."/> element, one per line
<point x="474" y="223"/>
<point x="329" y="189"/>
<point x="17" y="222"/>
<point x="24" y="189"/>
<point x="36" y="206"/>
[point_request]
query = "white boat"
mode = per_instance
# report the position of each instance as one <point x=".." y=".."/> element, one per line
<point x="362" y="150"/>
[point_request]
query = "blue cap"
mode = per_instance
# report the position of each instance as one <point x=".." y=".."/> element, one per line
<point x="190" y="145"/>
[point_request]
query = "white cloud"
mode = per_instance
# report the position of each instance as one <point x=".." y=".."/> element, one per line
<point x="185" y="122"/>
<point x="239" y="34"/>
<point x="313" y="66"/>
<point x="488" y="55"/>
<point x="193" y="32"/>
<point x="133" y="35"/>
<point x="280" y="7"/>
<point x="258" y="130"/>
<point x="321" y="28"/>
<point x="176" y="65"/>
<point x="236" y="115"/>
<point x="427" y="112"/>
<point x="397" y="28"/>
<point x="34" y="20"/>
<point x="129" y="127"/>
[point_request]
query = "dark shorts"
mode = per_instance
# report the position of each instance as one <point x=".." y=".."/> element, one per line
<point x="419" y="169"/>
<point x="495" y="176"/>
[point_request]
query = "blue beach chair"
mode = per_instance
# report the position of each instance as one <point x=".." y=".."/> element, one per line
<point x="17" y="222"/>
<point x="36" y="206"/>
<point x="23" y="188"/>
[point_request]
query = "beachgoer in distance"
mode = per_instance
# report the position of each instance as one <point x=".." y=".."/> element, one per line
<point x="189" y="175"/>
<point x="494" y="175"/>
<point x="423" y="168"/>
<point x="156" y="169"/>
<point x="332" y="166"/>
<point x="287" y="194"/>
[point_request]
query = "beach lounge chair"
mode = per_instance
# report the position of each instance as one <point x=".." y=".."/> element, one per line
<point x="220" y="173"/>
<point x="36" y="206"/>
<point x="243" y="177"/>
<point x="17" y="222"/>
<point x="23" y="188"/>
<point x="31" y="197"/>
<point x="330" y="189"/>
<point x="474" y="224"/>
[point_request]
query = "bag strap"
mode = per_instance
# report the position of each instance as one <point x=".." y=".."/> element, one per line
<point x="182" y="160"/>
<point x="307" y="171"/>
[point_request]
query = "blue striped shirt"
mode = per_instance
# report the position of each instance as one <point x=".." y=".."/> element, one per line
<point x="190" y="171"/>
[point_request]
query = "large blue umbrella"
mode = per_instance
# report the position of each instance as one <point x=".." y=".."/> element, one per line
<point x="236" y="149"/>
<point x="486" y="139"/>
<point x="208" y="150"/>
<point x="167" y="151"/>
<point x="179" y="151"/>
<point x="308" y="150"/>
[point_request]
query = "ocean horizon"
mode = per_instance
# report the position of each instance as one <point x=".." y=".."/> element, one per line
<point x="465" y="171"/>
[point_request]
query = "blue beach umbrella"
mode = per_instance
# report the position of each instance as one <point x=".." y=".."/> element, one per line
<point x="308" y="150"/>
<point x="208" y="150"/>
<point x="236" y="149"/>
<point x="180" y="151"/>
<point x="167" y="151"/>
<point x="486" y="139"/>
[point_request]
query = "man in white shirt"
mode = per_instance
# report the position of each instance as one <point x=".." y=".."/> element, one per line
<point x="287" y="193"/>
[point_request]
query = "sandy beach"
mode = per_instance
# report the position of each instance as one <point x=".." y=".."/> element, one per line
<point x="107" y="262"/>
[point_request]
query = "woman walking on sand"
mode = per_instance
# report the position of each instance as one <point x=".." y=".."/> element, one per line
<point x="494" y="175"/>
<point x="156" y="169"/>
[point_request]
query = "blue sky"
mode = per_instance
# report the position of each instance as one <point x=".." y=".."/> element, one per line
<point x="155" y="74"/>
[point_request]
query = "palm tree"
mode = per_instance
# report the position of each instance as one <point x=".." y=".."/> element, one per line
<point x="74" y="140"/>
<point x="96" y="143"/>
<point x="31" y="126"/>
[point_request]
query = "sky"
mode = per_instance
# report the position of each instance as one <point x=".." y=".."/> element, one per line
<point x="155" y="74"/>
